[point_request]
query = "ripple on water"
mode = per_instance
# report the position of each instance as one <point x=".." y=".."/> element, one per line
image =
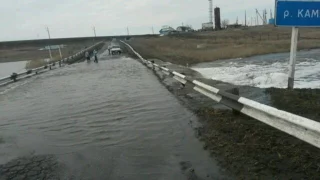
<point x="112" y="117"/>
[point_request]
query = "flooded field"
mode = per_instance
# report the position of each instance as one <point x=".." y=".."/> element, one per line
<point x="266" y="70"/>
<point x="8" y="68"/>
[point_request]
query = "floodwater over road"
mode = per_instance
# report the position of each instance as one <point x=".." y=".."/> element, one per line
<point x="8" y="68"/>
<point x="111" y="120"/>
<point x="266" y="70"/>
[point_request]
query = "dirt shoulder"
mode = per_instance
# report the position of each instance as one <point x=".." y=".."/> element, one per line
<point x="193" y="48"/>
<point x="247" y="148"/>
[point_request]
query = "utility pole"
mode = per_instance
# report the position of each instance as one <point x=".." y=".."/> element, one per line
<point x="264" y="17"/>
<point x="94" y="32"/>
<point x="48" y="31"/>
<point x="245" y="18"/>
<point x="60" y="52"/>
<point x="128" y="31"/>
<point x="257" y="19"/>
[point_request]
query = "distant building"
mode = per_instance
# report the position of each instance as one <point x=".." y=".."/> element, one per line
<point x="166" y="30"/>
<point x="53" y="47"/>
<point x="184" y="29"/>
<point x="271" y="21"/>
<point x="207" y="26"/>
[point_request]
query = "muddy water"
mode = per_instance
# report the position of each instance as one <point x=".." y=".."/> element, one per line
<point x="111" y="120"/>
<point x="8" y="68"/>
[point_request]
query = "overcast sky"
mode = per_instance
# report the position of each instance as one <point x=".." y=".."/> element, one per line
<point x="26" y="19"/>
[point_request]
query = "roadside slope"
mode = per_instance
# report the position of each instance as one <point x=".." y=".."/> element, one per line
<point x="246" y="147"/>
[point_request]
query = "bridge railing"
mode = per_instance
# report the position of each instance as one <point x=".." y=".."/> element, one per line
<point x="300" y="127"/>
<point x="31" y="72"/>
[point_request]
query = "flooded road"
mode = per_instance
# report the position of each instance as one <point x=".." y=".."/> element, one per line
<point x="266" y="70"/>
<point x="111" y="120"/>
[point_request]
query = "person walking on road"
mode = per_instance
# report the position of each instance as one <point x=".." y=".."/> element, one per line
<point x="87" y="55"/>
<point x="109" y="47"/>
<point x="95" y="52"/>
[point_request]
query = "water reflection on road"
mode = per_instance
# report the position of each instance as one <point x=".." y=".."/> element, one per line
<point x="111" y="120"/>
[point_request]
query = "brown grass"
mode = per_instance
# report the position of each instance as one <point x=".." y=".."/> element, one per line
<point x="227" y="44"/>
<point x="25" y="53"/>
<point x="40" y="62"/>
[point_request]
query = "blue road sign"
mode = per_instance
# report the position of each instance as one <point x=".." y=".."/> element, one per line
<point x="298" y="13"/>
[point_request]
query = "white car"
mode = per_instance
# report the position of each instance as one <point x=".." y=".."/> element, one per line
<point x="114" y="49"/>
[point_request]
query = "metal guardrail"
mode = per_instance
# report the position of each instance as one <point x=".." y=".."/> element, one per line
<point x="22" y="75"/>
<point x="302" y="128"/>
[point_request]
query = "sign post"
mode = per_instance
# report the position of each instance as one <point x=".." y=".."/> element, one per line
<point x="296" y="13"/>
<point x="293" y="55"/>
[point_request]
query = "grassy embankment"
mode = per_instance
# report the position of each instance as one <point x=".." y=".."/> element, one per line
<point x="253" y="150"/>
<point x="209" y="46"/>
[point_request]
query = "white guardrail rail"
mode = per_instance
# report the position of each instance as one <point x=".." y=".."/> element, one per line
<point x="305" y="129"/>
<point x="22" y="75"/>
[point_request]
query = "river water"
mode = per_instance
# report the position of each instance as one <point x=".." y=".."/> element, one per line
<point x="7" y="68"/>
<point x="266" y="70"/>
<point x="111" y="120"/>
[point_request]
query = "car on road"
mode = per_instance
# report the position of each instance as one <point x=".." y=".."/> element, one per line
<point x="115" y="49"/>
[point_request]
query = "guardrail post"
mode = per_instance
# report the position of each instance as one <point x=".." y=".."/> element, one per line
<point x="152" y="65"/>
<point x="234" y="91"/>
<point x="14" y="77"/>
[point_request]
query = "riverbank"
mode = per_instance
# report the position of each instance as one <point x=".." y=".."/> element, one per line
<point x="6" y="69"/>
<point x="193" y="48"/>
<point x="35" y="51"/>
<point x="246" y="147"/>
<point x="39" y="62"/>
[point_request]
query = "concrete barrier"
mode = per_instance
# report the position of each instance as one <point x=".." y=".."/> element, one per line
<point x="305" y="129"/>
